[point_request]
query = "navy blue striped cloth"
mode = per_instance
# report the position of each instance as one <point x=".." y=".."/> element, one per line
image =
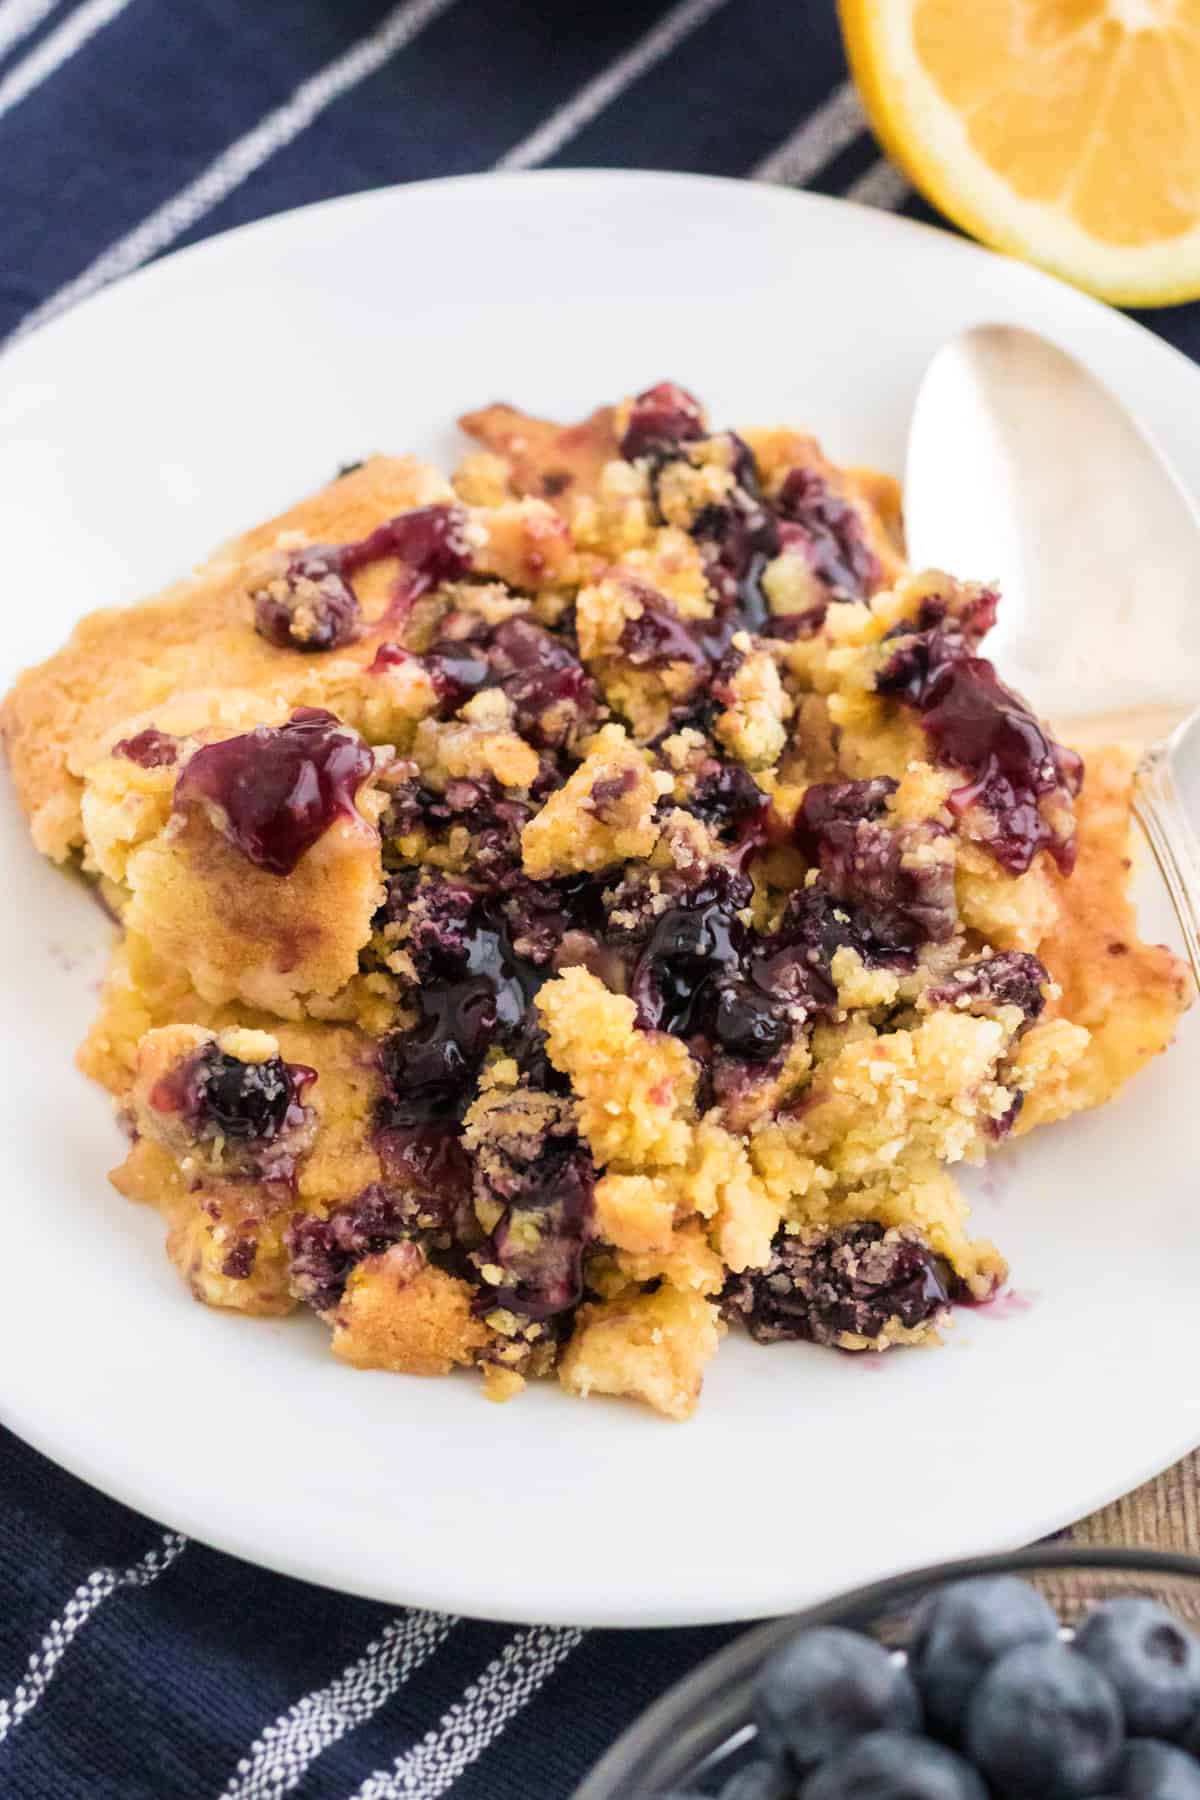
<point x="135" y="1665"/>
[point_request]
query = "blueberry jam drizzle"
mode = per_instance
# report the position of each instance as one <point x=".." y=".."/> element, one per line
<point x="980" y="726"/>
<point x="150" y="749"/>
<point x="275" y="791"/>
<point x="852" y="1281"/>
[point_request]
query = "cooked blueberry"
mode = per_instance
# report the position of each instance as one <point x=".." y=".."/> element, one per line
<point x="658" y="635"/>
<point x="826" y="1688"/>
<point x="456" y="673"/>
<point x="309" y="607"/>
<point x="663" y="416"/>
<point x="747" y="1024"/>
<point x="829" y="806"/>
<point x="897" y="898"/>
<point x="738" y="538"/>
<point x="244" y="1100"/>
<point x="553" y="695"/>
<point x="1151" y="1659"/>
<point x="690" y="946"/>
<point x="1044" y="1724"/>
<point x="851" y="1282"/>
<point x="759" y="1781"/>
<point x="892" y="1765"/>
<point x="278" y="789"/>
<point x="540" y="1247"/>
<point x="1157" y="1771"/>
<point x="220" y="1096"/>
<point x="730" y="802"/>
<point x="474" y="990"/>
<point x="323" y="1252"/>
<point x="829" y="531"/>
<point x="1010" y="978"/>
<point x="239" y="1262"/>
<point x="959" y="1632"/>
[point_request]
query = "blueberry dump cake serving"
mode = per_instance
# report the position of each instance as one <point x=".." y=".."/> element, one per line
<point x="584" y="906"/>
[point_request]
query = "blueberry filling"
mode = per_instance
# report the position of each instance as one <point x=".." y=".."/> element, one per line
<point x="248" y="1104"/>
<point x="980" y="726"/>
<point x="733" y="806"/>
<point x="738" y="539"/>
<point x="899" y="900"/>
<point x="659" y="419"/>
<point x="826" y="527"/>
<point x="150" y="749"/>
<point x="551" y="692"/>
<point x="542" y="1180"/>
<point x="278" y="789"/>
<point x="473" y="991"/>
<point x="854" y="1280"/>
<point x="307" y="610"/>
<point x="1010" y="978"/>
<point x="322" y="1253"/>
<point x="687" y="949"/>
<point x="658" y="636"/>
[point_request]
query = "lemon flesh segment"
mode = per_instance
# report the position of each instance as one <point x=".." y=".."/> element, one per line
<point x="1066" y="131"/>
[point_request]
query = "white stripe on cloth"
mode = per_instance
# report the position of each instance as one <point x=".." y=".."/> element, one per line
<point x="279" y="1759"/>
<point x="825" y="133"/>
<point x="487" y="1707"/>
<point x="56" y="49"/>
<point x="246" y="154"/>
<point x="881" y="185"/>
<point x="88" y="1597"/>
<point x="19" y="17"/>
<point x="603" y="89"/>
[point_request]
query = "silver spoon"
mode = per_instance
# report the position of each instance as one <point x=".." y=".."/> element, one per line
<point x="1024" y="470"/>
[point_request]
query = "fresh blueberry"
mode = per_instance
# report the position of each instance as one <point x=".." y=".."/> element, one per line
<point x="891" y="1765"/>
<point x="828" y="1687"/>
<point x="964" y="1627"/>
<point x="1151" y="1659"/>
<point x="759" y="1780"/>
<point x="1155" y="1771"/>
<point x="1044" y="1724"/>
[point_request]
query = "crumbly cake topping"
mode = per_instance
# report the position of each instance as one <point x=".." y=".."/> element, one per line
<point x="582" y="907"/>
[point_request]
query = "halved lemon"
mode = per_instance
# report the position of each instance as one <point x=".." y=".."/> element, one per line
<point x="1064" y="131"/>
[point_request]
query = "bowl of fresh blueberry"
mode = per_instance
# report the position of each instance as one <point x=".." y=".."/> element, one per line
<point x="1051" y="1674"/>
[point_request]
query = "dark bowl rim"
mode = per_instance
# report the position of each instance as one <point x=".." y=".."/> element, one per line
<point x="711" y="1702"/>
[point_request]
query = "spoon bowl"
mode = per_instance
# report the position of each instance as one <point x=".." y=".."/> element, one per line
<point x="1024" y="469"/>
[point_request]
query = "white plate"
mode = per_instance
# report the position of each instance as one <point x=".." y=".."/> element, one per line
<point x="218" y="386"/>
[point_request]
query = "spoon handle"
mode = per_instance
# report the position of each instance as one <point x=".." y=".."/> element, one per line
<point x="1159" y="809"/>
